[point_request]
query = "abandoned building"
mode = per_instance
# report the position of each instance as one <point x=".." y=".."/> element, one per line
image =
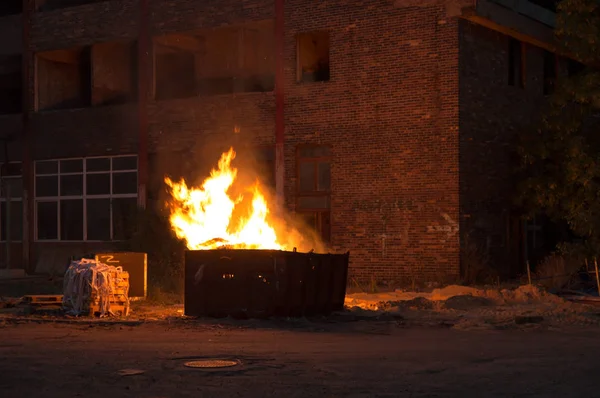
<point x="395" y="120"/>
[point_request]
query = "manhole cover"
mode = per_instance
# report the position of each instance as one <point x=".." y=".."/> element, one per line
<point x="211" y="363"/>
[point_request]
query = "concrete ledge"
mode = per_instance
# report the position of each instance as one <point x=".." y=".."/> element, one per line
<point x="12" y="273"/>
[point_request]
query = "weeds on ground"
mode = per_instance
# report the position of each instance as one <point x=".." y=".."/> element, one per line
<point x="475" y="263"/>
<point x="556" y="271"/>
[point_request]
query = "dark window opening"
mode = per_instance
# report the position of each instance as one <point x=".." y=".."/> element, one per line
<point x="49" y="5"/>
<point x="98" y="219"/>
<point x="47" y="220"/>
<point x="11" y="7"/>
<point x="313" y="57"/>
<point x="11" y="214"/>
<point x="114" y="73"/>
<point x="547" y="4"/>
<point x="11" y="92"/>
<point x="516" y="65"/>
<point x="64" y="79"/>
<point x="574" y="67"/>
<point x="124" y="213"/>
<point x="71" y="219"/>
<point x="217" y="61"/>
<point x="550" y="72"/>
<point x="175" y="75"/>
<point x="313" y="188"/>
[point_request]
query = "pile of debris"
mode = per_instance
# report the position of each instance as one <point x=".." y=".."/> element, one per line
<point x="92" y="287"/>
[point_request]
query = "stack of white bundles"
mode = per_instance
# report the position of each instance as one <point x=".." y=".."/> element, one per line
<point x="91" y="286"/>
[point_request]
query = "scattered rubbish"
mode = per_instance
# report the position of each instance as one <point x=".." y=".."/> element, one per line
<point x="465" y="302"/>
<point x="522" y="320"/>
<point x="130" y="372"/>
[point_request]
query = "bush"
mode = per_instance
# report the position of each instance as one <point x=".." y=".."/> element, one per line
<point x="153" y="235"/>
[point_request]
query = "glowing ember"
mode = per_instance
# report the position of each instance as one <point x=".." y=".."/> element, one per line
<point x="204" y="216"/>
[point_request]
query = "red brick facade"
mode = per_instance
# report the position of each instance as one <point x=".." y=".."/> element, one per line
<point x="406" y="113"/>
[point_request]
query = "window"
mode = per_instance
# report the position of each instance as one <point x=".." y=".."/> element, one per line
<point x="11" y="7"/>
<point x="216" y="61"/>
<point x="11" y="92"/>
<point x="11" y="204"/>
<point x="547" y="4"/>
<point x="314" y="188"/>
<point x="114" y="73"/>
<point x="63" y="79"/>
<point x="49" y="5"/>
<point x="92" y="199"/>
<point x="175" y="76"/>
<point x="97" y="75"/>
<point x="550" y="72"/>
<point x="516" y="63"/>
<point x="313" y="57"/>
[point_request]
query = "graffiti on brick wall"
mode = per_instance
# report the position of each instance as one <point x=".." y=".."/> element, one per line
<point x="385" y="205"/>
<point x="412" y="212"/>
<point x="450" y="228"/>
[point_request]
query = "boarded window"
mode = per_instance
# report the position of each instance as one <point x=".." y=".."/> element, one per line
<point x="313" y="194"/>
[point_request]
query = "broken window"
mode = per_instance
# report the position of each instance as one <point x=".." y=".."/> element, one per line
<point x="11" y="7"/>
<point x="49" y="5"/>
<point x="313" y="57"/>
<point x="114" y="73"/>
<point x="64" y="79"/>
<point x="11" y="92"/>
<point x="92" y="199"/>
<point x="516" y="64"/>
<point x="216" y="61"/>
<point x="314" y="188"/>
<point x="550" y="72"/>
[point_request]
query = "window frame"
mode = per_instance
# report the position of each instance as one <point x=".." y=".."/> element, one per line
<point x="520" y="64"/>
<point x="83" y="197"/>
<point x="321" y="211"/>
<point x="12" y="199"/>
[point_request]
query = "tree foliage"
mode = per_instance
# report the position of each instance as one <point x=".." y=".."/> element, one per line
<point x="561" y="157"/>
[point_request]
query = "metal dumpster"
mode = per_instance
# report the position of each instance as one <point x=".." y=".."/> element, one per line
<point x="263" y="283"/>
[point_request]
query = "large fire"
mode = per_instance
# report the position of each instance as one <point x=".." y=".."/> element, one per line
<point x="205" y="218"/>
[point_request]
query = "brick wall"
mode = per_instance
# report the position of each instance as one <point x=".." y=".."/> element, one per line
<point x="390" y="113"/>
<point x="492" y="114"/>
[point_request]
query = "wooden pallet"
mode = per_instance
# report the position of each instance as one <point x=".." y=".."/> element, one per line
<point x="117" y="308"/>
<point x="43" y="299"/>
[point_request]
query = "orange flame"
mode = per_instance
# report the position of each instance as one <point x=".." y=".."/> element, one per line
<point x="203" y="216"/>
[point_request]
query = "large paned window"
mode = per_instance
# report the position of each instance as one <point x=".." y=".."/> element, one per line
<point x="314" y="188"/>
<point x="11" y="204"/>
<point x="91" y="199"/>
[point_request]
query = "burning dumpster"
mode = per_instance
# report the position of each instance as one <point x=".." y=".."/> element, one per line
<point x="262" y="283"/>
<point x="242" y="259"/>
